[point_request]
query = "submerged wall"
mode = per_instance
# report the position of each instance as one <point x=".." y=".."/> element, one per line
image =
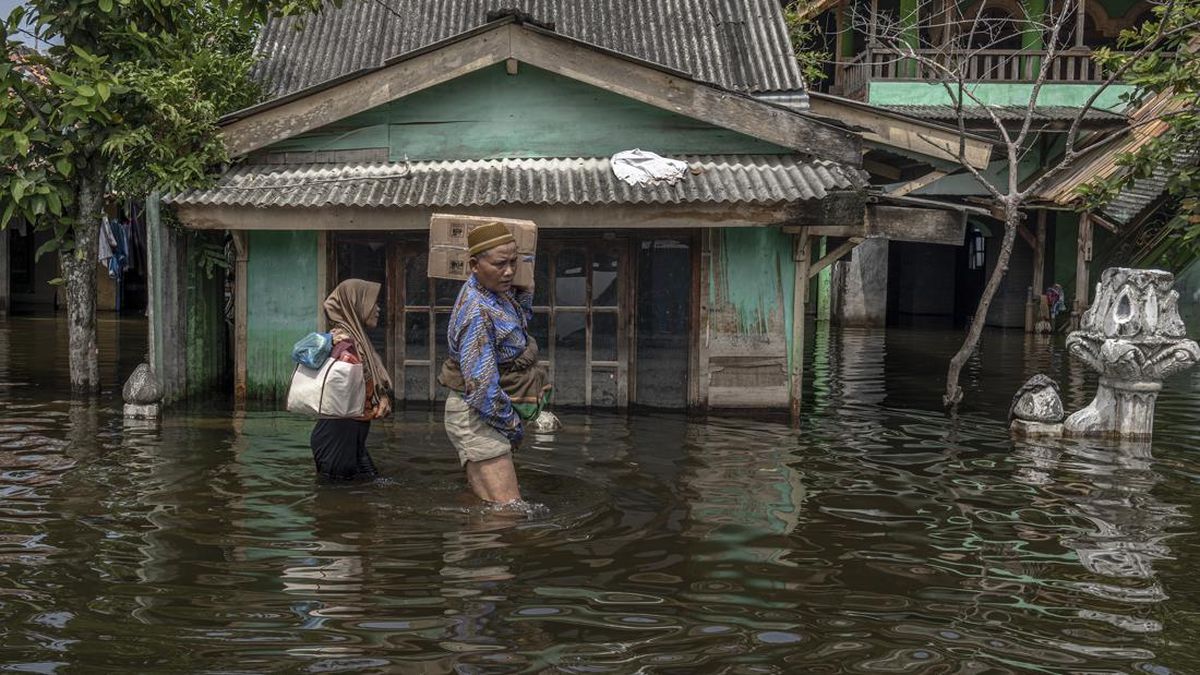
<point x="751" y="282"/>
<point x="281" y="294"/>
<point x="189" y="335"/>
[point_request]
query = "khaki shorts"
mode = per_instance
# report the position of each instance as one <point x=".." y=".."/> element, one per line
<point x="474" y="439"/>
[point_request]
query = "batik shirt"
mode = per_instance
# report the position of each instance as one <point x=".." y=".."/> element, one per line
<point x="488" y="329"/>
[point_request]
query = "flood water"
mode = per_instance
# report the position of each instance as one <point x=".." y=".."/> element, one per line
<point x="880" y="538"/>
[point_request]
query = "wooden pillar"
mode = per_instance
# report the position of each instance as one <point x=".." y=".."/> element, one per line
<point x="1080" y="16"/>
<point x="802" y="254"/>
<point x="5" y="272"/>
<point x="698" y="373"/>
<point x="323" y="269"/>
<point x="1083" y="256"/>
<point x="241" y="283"/>
<point x="1038" y="282"/>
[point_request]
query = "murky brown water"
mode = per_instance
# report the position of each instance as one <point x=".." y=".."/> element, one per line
<point x="880" y="539"/>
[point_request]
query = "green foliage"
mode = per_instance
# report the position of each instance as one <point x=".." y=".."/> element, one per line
<point x="127" y="99"/>
<point x="1168" y="67"/>
<point x="807" y="41"/>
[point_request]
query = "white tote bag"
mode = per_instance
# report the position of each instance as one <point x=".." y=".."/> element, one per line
<point x="336" y="389"/>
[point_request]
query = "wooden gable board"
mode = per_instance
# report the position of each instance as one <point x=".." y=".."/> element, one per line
<point x="664" y="89"/>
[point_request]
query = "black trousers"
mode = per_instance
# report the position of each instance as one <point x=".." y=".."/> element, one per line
<point x="340" y="450"/>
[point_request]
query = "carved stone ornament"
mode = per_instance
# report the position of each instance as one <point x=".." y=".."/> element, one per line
<point x="142" y="394"/>
<point x="1037" y="401"/>
<point x="1133" y="336"/>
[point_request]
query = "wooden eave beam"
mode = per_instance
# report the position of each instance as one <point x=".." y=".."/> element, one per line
<point x="937" y="141"/>
<point x="834" y="256"/>
<point x="369" y="91"/>
<point x="918" y="183"/>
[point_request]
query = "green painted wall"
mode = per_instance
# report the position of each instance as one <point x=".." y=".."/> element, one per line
<point x="282" y="290"/>
<point x="759" y="273"/>
<point x="490" y="114"/>
<point x="997" y="93"/>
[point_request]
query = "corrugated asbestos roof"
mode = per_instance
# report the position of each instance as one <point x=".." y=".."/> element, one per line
<point x="1006" y="113"/>
<point x="1141" y="193"/>
<point x="739" y="44"/>
<point x="1102" y="162"/>
<point x="578" y="181"/>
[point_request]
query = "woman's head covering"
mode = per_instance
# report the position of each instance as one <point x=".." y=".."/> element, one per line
<point x="488" y="236"/>
<point x="348" y="307"/>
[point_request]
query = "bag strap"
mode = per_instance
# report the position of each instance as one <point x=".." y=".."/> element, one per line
<point x="321" y="398"/>
<point x="288" y="395"/>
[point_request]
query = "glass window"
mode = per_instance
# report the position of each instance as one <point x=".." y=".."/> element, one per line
<point x="569" y="358"/>
<point x="416" y="336"/>
<point x="416" y="281"/>
<point x="604" y="336"/>
<point x="416" y="383"/>
<point x="446" y="291"/>
<point x="440" y="346"/>
<point x="570" y="278"/>
<point x="604" y="279"/>
<point x="539" y="329"/>
<point x="541" y="281"/>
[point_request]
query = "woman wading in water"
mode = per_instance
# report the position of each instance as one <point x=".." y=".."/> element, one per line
<point x="340" y="445"/>
<point x="492" y="369"/>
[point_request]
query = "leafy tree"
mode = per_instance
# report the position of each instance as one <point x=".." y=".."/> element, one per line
<point x="1149" y="63"/>
<point x="125" y="99"/>
<point x="1170" y="72"/>
<point x="808" y="42"/>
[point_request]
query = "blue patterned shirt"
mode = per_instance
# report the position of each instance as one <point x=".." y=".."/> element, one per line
<point x="488" y="329"/>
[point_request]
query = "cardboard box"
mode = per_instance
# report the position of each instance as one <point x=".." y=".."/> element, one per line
<point x="448" y="252"/>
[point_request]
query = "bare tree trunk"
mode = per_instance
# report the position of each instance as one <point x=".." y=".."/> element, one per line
<point x="79" y="275"/>
<point x="954" y="394"/>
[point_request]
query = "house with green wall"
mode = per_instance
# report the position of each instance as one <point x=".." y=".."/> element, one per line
<point x="996" y="49"/>
<point x="673" y="295"/>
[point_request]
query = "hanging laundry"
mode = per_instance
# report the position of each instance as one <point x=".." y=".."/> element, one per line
<point x="107" y="244"/>
<point x="119" y="248"/>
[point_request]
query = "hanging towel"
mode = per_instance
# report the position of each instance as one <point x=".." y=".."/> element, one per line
<point x="641" y="167"/>
<point x="107" y="244"/>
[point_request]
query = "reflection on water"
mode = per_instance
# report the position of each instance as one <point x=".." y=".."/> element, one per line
<point x="880" y="538"/>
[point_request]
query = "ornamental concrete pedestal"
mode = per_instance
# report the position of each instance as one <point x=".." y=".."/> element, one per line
<point x="1134" y="338"/>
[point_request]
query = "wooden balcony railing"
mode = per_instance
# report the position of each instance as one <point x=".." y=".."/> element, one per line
<point x="988" y="65"/>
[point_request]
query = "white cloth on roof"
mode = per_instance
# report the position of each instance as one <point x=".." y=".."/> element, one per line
<point x="641" y="167"/>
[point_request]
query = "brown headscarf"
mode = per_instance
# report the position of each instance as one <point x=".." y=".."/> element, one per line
<point x="348" y="307"/>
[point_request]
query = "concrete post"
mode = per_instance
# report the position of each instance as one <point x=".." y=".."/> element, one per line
<point x="863" y="291"/>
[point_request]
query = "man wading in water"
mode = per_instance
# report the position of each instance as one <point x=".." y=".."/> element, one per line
<point x="492" y="369"/>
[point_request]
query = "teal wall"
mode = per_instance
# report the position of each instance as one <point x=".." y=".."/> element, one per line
<point x="490" y="114"/>
<point x="282" y="298"/>
<point x="759" y="271"/>
<point x="997" y="93"/>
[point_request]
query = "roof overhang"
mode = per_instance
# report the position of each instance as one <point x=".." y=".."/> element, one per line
<point x="505" y="40"/>
<point x="907" y="134"/>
